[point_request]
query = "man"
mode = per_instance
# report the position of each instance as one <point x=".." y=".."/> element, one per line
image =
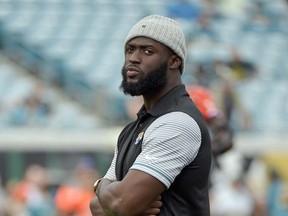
<point x="162" y="160"/>
<point x="220" y="130"/>
<point x="222" y="137"/>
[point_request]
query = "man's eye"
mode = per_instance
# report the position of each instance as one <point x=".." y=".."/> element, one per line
<point x="149" y="52"/>
<point x="129" y="50"/>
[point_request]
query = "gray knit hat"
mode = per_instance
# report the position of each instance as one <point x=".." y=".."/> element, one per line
<point x="164" y="30"/>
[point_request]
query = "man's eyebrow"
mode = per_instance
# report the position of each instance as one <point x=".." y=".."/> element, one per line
<point x="141" y="46"/>
<point x="146" y="46"/>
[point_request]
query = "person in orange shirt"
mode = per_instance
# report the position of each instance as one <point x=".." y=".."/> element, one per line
<point x="30" y="195"/>
<point x="74" y="198"/>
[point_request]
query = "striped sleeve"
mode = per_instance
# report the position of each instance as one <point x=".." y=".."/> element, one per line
<point x="170" y="143"/>
<point x="111" y="172"/>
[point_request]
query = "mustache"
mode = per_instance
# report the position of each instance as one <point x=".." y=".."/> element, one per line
<point x="131" y="66"/>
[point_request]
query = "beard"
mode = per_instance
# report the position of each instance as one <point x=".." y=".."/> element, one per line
<point x="146" y="85"/>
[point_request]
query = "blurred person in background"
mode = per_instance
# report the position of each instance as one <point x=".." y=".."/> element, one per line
<point x="277" y="196"/>
<point x="13" y="205"/>
<point x="30" y="196"/>
<point x="232" y="105"/>
<point x="184" y="9"/>
<point x="202" y="75"/>
<point x="227" y="98"/>
<point x="222" y="136"/>
<point x="233" y="197"/>
<point x="241" y="68"/>
<point x="72" y="198"/>
<point x="220" y="131"/>
<point x="162" y="160"/>
<point x="32" y="110"/>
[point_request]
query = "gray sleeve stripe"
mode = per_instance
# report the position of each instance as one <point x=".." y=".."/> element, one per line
<point x="170" y="143"/>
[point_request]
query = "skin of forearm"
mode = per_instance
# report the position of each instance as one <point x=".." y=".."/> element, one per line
<point x="114" y="201"/>
<point x="111" y="203"/>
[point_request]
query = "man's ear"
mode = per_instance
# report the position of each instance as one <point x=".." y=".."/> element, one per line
<point x="175" y="62"/>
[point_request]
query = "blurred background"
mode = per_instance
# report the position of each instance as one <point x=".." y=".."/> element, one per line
<point x="61" y="109"/>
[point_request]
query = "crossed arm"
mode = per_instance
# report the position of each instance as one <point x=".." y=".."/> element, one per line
<point x="137" y="194"/>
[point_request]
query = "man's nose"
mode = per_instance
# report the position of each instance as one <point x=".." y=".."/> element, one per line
<point x="135" y="57"/>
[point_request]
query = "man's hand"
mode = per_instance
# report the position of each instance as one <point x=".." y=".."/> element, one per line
<point x="154" y="209"/>
<point x="96" y="208"/>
